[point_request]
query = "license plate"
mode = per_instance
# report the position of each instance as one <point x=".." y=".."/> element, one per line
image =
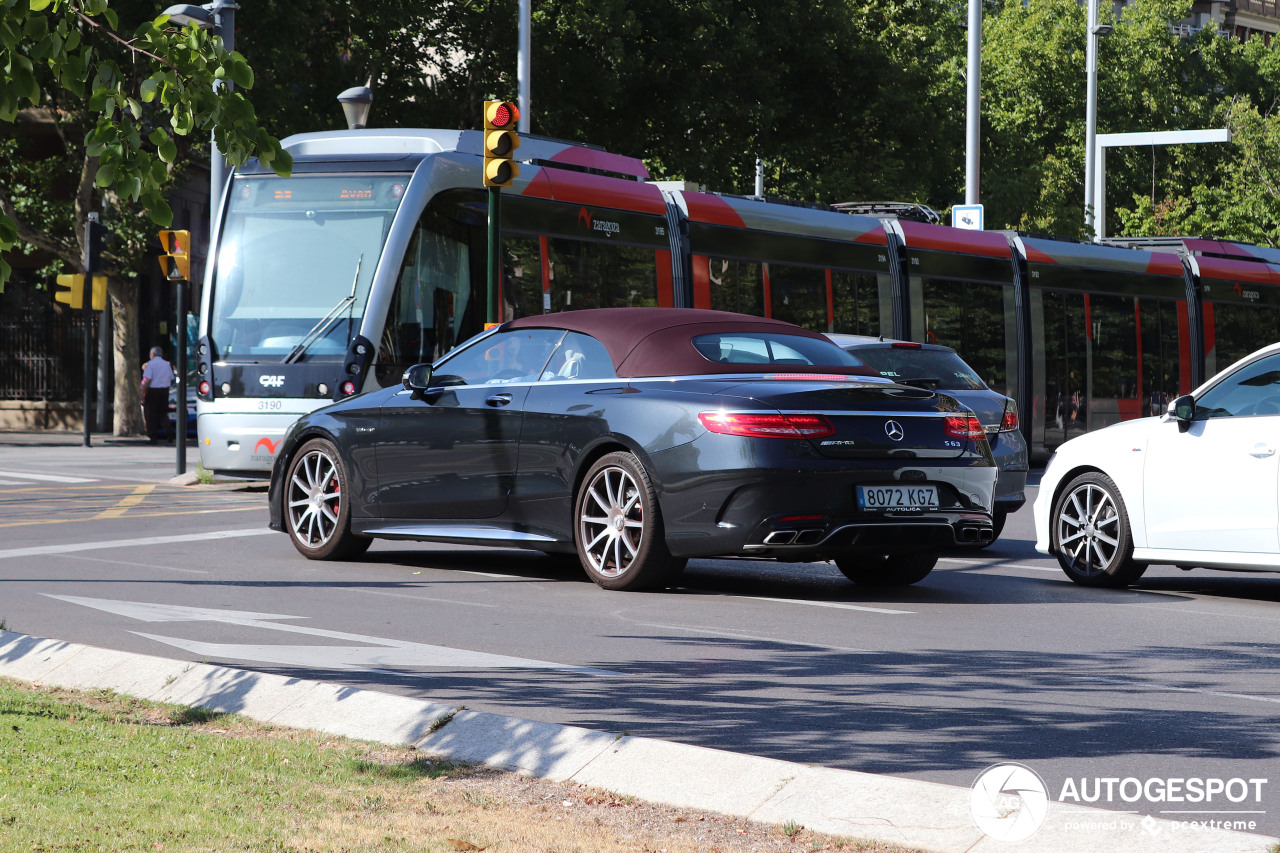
<point x="897" y="497"/>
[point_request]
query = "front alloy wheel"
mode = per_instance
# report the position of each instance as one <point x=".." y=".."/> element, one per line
<point x="316" y="506"/>
<point x="1091" y="535"/>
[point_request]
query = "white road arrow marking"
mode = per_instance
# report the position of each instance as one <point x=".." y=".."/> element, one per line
<point x="372" y="654"/>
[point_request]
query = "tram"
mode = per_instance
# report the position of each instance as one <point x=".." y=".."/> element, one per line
<point x="372" y="257"/>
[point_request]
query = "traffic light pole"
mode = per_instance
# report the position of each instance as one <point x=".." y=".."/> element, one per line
<point x="180" y="413"/>
<point x="92" y="259"/>
<point x="495" y="251"/>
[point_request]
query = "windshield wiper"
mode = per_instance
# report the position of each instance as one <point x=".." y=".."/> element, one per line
<point x="327" y="320"/>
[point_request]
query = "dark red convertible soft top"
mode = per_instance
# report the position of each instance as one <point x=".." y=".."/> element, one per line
<point x="658" y="341"/>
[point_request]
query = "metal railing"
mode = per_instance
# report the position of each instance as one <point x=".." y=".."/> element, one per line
<point x="41" y="347"/>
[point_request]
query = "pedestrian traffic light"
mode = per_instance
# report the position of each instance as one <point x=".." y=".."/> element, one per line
<point x="175" y="263"/>
<point x="74" y="293"/>
<point x="500" y="143"/>
<point x="94" y="235"/>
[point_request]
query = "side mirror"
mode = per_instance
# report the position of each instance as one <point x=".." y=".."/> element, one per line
<point x="1183" y="409"/>
<point x="417" y="378"/>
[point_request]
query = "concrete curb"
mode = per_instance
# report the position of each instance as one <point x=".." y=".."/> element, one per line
<point x="925" y="815"/>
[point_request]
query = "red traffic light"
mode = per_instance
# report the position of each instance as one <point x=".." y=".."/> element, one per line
<point x="501" y="114"/>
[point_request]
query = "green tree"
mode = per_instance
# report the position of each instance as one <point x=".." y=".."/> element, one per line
<point x="124" y="110"/>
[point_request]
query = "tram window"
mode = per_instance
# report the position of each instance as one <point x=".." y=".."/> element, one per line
<point x="798" y="295"/>
<point x="521" y="277"/>
<point x="736" y="286"/>
<point x="432" y="300"/>
<point x="591" y="274"/>
<point x="1237" y="331"/>
<point x="969" y="317"/>
<point x="1113" y="339"/>
<point x="1161" y="355"/>
<point x="856" y="300"/>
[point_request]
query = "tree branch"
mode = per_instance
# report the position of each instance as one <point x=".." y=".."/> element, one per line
<point x="128" y="44"/>
<point x="64" y="249"/>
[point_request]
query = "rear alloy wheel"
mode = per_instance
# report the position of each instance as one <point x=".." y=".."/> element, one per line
<point x="317" y="510"/>
<point x="618" y="527"/>
<point x="887" y="569"/>
<point x="1091" y="536"/>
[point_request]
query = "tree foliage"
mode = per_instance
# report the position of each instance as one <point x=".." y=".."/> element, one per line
<point x="50" y="47"/>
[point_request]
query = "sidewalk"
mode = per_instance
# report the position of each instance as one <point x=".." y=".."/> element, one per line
<point x="108" y="457"/>
<point x="925" y="815"/>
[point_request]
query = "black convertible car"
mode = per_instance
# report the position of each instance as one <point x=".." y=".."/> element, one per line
<point x="638" y="438"/>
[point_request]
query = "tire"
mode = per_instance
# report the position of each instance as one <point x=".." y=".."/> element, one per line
<point x="1091" y="534"/>
<point x="317" y="513"/>
<point x="618" y="528"/>
<point x="888" y="569"/>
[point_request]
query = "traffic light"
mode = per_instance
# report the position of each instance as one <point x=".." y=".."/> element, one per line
<point x="99" y="301"/>
<point x="94" y="235"/>
<point x="74" y="294"/>
<point x="500" y="143"/>
<point x="175" y="263"/>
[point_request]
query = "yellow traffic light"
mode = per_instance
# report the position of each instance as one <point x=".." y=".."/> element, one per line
<point x="99" y="293"/>
<point x="175" y="263"/>
<point x="74" y="294"/>
<point x="500" y="143"/>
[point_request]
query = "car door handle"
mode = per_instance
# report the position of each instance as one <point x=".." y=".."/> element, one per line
<point x="498" y="399"/>
<point x="1262" y="451"/>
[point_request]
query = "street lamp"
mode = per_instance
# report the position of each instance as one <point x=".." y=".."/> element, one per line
<point x="219" y="16"/>
<point x="356" y="103"/>
<point x="1095" y="32"/>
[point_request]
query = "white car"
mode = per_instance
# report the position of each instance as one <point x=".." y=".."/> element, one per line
<point x="1196" y="487"/>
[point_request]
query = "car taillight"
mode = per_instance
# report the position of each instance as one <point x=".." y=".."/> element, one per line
<point x="906" y="345"/>
<point x="761" y="425"/>
<point x="1010" y="420"/>
<point x="967" y="427"/>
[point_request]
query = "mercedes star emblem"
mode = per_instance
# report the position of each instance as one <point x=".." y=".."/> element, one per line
<point x="893" y="429"/>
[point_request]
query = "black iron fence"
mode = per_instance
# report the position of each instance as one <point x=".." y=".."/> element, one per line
<point x="41" y="345"/>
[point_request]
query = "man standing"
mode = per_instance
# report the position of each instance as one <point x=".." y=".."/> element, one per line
<point x="157" y="376"/>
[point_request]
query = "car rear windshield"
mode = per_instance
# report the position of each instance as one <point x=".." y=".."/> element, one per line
<point x="903" y="364"/>
<point x="772" y="348"/>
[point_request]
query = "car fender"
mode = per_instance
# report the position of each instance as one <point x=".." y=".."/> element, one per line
<point x="1119" y="451"/>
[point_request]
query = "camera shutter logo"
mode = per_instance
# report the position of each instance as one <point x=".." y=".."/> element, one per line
<point x="1009" y="802"/>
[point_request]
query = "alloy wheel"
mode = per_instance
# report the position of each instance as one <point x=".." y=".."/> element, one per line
<point x="315" y="499"/>
<point x="611" y="522"/>
<point x="1089" y="529"/>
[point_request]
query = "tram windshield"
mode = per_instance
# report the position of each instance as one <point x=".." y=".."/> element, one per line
<point x="295" y="263"/>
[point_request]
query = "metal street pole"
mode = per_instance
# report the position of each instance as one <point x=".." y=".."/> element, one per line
<point x="224" y="25"/>
<point x="1090" y="116"/>
<point x="180" y="412"/>
<point x="524" y="71"/>
<point x="973" y="106"/>
<point x="495" y="252"/>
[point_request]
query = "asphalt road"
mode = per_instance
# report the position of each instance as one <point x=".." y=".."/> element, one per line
<point x="995" y="657"/>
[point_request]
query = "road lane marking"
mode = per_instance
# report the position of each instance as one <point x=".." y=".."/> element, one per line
<point x="987" y="564"/>
<point x="732" y="635"/>
<point x="1152" y="685"/>
<point x="371" y="654"/>
<point x="46" y="478"/>
<point x="136" y="515"/>
<point x="838" y="605"/>
<point x="70" y="547"/>
<point x="131" y="500"/>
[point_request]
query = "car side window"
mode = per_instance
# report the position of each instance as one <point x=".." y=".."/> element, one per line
<point x="1252" y="390"/>
<point x="516" y="356"/>
<point x="579" y="357"/>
